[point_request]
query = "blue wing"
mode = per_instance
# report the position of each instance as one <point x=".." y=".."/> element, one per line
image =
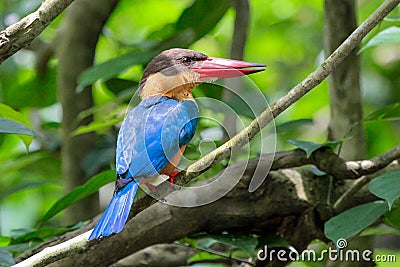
<point x="151" y="134"/>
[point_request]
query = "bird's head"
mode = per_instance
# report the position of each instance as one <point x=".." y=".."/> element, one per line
<point x="179" y="70"/>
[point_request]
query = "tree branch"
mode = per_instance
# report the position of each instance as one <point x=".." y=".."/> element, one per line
<point x="243" y="211"/>
<point x="21" y="34"/>
<point x="310" y="82"/>
<point x="247" y="209"/>
<point x="323" y="157"/>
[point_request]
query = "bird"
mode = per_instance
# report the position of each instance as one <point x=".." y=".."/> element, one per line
<point x="154" y="134"/>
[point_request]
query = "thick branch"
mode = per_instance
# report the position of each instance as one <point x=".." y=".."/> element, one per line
<point x="239" y="210"/>
<point x="323" y="158"/>
<point x="21" y="34"/>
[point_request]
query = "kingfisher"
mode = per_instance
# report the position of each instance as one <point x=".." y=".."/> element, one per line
<point x="154" y="134"/>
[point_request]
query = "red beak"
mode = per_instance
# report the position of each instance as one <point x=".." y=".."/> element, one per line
<point x="225" y="68"/>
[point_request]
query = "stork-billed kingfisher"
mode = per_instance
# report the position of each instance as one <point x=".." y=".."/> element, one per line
<point x="154" y="134"/>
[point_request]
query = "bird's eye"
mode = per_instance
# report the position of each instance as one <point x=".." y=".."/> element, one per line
<point x="186" y="61"/>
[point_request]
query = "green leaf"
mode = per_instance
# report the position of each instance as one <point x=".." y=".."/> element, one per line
<point x="6" y="258"/>
<point x="272" y="241"/>
<point x="113" y="67"/>
<point x="392" y="19"/>
<point x="317" y="171"/>
<point x="118" y="85"/>
<point x="13" y="127"/>
<point x="291" y="125"/>
<point x="38" y="91"/>
<point x="245" y="242"/>
<point x="390" y="35"/>
<point x="13" y="122"/>
<point x="204" y="256"/>
<point x="97" y="126"/>
<point x="392" y="218"/>
<point x="310" y="147"/>
<point x="42" y="234"/>
<point x="21" y="187"/>
<point x="353" y="221"/>
<point x="5" y="241"/>
<point x="201" y="17"/>
<point x="390" y="112"/>
<point x="79" y="193"/>
<point x="194" y="23"/>
<point x="379" y="230"/>
<point x="386" y="186"/>
<point x="20" y="248"/>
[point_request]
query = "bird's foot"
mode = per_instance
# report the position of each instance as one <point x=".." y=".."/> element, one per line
<point x="121" y="182"/>
<point x="172" y="176"/>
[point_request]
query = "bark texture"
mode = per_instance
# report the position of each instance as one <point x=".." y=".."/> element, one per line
<point x="22" y="33"/>
<point x="345" y="94"/>
<point x="81" y="28"/>
<point x="344" y="82"/>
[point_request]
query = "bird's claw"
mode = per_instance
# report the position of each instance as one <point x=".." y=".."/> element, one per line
<point x="172" y="176"/>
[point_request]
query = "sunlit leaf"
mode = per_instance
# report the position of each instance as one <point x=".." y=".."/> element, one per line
<point x="5" y="240"/>
<point x="390" y="35"/>
<point x="386" y="186"/>
<point x="79" y="193"/>
<point x="353" y="221"/>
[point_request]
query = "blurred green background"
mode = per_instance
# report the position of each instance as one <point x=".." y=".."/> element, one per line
<point x="287" y="35"/>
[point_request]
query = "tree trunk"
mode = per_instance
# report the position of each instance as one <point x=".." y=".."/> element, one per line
<point x="81" y="28"/>
<point x="344" y="82"/>
<point x="345" y="95"/>
<point x="234" y="85"/>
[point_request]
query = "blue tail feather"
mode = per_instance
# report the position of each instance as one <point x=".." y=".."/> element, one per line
<point x="116" y="214"/>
